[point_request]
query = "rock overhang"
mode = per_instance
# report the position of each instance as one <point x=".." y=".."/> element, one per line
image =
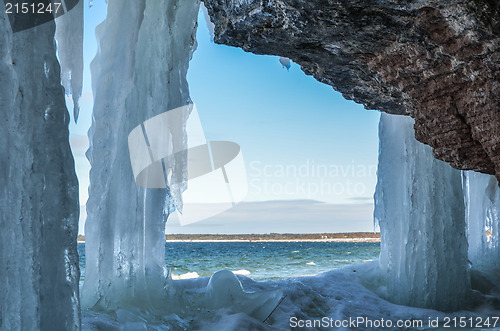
<point x="437" y="61"/>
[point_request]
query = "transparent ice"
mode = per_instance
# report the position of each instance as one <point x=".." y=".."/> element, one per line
<point x="482" y="199"/>
<point x="139" y="72"/>
<point x="39" y="270"/>
<point x="69" y="36"/>
<point x="419" y="206"/>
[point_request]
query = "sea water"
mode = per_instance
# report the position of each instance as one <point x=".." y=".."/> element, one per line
<point x="260" y="260"/>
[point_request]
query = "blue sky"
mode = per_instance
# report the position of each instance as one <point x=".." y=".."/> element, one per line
<point x="302" y="142"/>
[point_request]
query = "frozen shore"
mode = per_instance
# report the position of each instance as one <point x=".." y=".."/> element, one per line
<point x="335" y="297"/>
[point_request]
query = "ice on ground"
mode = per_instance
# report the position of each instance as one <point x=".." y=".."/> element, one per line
<point x="224" y="290"/>
<point x="337" y="295"/>
<point x="187" y="275"/>
<point x="243" y="272"/>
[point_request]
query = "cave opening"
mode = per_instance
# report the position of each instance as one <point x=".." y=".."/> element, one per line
<point x="305" y="161"/>
<point x="310" y="155"/>
<point x="265" y="108"/>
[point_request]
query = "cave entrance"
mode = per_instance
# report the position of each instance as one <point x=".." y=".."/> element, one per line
<point x="310" y="156"/>
<point x="310" y="159"/>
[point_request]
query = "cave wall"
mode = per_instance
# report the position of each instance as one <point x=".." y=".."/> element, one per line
<point x="436" y="61"/>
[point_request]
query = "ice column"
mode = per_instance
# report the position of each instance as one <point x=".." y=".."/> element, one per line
<point x="39" y="271"/>
<point x="482" y="202"/>
<point x="138" y="73"/>
<point x="419" y="206"/>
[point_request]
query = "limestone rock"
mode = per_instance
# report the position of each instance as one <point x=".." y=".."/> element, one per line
<point x="435" y="60"/>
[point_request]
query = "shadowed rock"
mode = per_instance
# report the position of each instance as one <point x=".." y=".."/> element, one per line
<point x="436" y="61"/>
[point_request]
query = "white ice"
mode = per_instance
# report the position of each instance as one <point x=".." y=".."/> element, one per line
<point x="337" y="295"/>
<point x="224" y="290"/>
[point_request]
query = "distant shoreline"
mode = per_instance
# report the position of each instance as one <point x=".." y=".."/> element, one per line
<point x="284" y="240"/>
<point x="272" y="237"/>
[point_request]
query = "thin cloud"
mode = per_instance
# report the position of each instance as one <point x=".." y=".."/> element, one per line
<point x="285" y="216"/>
<point x="365" y="199"/>
<point x="79" y="143"/>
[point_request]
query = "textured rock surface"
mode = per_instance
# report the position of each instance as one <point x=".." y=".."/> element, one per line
<point x="437" y="61"/>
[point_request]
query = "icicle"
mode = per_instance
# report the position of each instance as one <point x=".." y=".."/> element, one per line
<point x="285" y="62"/>
<point x="39" y="271"/>
<point x="210" y="25"/>
<point x="134" y="79"/>
<point x="482" y="198"/>
<point x="419" y="207"/>
<point x="69" y="36"/>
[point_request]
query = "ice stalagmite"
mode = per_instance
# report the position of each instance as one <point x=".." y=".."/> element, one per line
<point x="39" y="271"/>
<point x="419" y="206"/>
<point x="138" y="73"/>
<point x="482" y="202"/>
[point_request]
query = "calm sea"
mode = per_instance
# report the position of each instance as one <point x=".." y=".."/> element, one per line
<point x="261" y="260"/>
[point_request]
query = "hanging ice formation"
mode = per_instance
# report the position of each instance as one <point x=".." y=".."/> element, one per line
<point x="69" y="36"/>
<point x="139" y="72"/>
<point x="285" y="62"/>
<point x="419" y="206"/>
<point x="38" y="187"/>
<point x="482" y="202"/>
<point x="210" y="25"/>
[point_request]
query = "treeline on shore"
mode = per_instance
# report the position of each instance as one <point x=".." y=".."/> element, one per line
<point x="268" y="236"/>
<point x="273" y="236"/>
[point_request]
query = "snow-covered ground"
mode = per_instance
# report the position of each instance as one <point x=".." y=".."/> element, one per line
<point x="344" y="299"/>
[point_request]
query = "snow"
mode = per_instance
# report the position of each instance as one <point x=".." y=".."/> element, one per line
<point x="419" y="206"/>
<point x="187" y="275"/>
<point x="224" y="290"/>
<point x="69" y="36"/>
<point x="338" y="295"/>
<point x="243" y="272"/>
<point x="38" y="187"/>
